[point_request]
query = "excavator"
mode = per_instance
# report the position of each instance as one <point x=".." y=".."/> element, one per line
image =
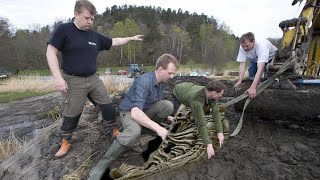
<point x="301" y="36"/>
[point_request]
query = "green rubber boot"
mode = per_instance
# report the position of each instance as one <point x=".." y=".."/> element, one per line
<point x="113" y="153"/>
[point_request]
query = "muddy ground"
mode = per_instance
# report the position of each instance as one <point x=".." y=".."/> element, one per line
<point x="264" y="149"/>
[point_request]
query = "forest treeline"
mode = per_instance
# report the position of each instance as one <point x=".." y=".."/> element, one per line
<point x="191" y="37"/>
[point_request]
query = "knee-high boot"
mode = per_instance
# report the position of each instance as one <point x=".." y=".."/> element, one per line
<point x="113" y="153"/>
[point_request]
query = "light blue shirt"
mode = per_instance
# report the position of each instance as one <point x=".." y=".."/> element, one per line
<point x="144" y="92"/>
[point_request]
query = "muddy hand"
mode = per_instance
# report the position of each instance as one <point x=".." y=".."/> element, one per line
<point x="221" y="138"/>
<point x="252" y="92"/>
<point x="210" y="151"/>
<point x="237" y="86"/>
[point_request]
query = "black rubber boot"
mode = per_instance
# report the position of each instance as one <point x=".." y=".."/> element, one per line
<point x="113" y="153"/>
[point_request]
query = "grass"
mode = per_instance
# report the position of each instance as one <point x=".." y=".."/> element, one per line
<point x="20" y="87"/>
<point x="114" y="87"/>
<point x="53" y="113"/>
<point x="9" y="146"/>
<point x="14" y="96"/>
<point x="43" y="72"/>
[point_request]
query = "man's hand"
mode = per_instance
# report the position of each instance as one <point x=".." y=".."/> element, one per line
<point x="137" y="38"/>
<point x="61" y="85"/>
<point x="252" y="92"/>
<point x="162" y="132"/>
<point x="170" y="118"/>
<point x="210" y="151"/>
<point x="237" y="85"/>
<point x="220" y="138"/>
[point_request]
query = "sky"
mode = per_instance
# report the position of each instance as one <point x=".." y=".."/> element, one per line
<point x="261" y="17"/>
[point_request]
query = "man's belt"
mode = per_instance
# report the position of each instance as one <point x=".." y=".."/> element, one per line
<point x="79" y="75"/>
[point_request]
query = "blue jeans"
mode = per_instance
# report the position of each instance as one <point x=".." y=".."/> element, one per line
<point x="254" y="67"/>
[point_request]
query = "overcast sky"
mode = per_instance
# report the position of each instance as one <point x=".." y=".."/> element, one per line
<point x="259" y="16"/>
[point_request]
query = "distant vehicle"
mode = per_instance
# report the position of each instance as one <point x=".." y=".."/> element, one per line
<point x="107" y="71"/>
<point x="194" y="73"/>
<point x="204" y="74"/>
<point x="134" y="71"/>
<point x="122" y="72"/>
<point x="4" y="74"/>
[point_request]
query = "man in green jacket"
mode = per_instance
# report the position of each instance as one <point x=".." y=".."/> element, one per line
<point x="199" y="98"/>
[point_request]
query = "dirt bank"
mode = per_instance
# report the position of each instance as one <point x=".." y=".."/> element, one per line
<point x="262" y="150"/>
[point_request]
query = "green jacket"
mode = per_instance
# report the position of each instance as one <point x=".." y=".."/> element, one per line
<point x="194" y="96"/>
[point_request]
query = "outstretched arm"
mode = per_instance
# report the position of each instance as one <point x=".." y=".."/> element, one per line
<point x="125" y="40"/>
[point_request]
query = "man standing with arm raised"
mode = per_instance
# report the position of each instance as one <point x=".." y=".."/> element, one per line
<point x="77" y="79"/>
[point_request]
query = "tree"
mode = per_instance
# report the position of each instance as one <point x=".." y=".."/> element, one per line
<point x="124" y="29"/>
<point x="206" y="36"/>
<point x="179" y="39"/>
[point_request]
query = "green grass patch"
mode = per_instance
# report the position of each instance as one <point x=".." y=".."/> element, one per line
<point x="14" y="96"/>
<point x="53" y="113"/>
<point x="44" y="72"/>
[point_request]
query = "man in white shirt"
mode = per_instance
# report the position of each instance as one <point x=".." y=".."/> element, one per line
<point x="260" y="53"/>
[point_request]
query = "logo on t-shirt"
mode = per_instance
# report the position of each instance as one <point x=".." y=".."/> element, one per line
<point x="92" y="43"/>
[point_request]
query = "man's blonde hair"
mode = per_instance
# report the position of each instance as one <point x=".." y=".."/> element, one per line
<point x="249" y="36"/>
<point x="86" y="5"/>
<point x="164" y="60"/>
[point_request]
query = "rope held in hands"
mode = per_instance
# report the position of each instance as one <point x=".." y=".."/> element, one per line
<point x="262" y="86"/>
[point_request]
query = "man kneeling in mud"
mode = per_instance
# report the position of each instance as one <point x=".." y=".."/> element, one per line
<point x="200" y="99"/>
<point x="143" y="105"/>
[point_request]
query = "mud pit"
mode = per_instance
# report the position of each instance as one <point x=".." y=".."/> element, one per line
<point x="264" y="149"/>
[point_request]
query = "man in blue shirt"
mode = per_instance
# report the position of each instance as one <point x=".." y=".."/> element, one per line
<point x="143" y="105"/>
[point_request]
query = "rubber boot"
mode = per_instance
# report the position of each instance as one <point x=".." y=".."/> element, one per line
<point x="65" y="145"/>
<point x="113" y="153"/>
<point x="64" y="149"/>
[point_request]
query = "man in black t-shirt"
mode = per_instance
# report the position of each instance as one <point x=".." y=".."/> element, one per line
<point x="77" y="79"/>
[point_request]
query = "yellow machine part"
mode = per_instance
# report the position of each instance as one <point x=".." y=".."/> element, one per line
<point x="298" y="33"/>
<point x="313" y="62"/>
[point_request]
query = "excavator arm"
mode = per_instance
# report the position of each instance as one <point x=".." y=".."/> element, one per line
<point x="302" y="36"/>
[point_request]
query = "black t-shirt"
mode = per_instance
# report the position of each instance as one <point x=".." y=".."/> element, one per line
<point x="79" y="48"/>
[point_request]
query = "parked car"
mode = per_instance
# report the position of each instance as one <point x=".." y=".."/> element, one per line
<point x="122" y="72"/>
<point x="204" y="74"/>
<point x="194" y="73"/>
<point x="4" y="74"/>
